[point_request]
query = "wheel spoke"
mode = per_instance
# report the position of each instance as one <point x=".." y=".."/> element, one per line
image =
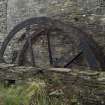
<point x="30" y="45"/>
<point x="49" y="47"/>
<point x="71" y="61"/>
<point x="33" y="38"/>
<point x="31" y="52"/>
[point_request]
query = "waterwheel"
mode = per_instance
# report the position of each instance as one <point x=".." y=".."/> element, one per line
<point x="44" y="42"/>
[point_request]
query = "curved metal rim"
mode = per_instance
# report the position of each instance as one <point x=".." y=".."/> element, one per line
<point x="31" y="21"/>
<point x="36" y="20"/>
<point x="40" y="20"/>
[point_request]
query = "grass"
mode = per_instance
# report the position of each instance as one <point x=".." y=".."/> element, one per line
<point x="32" y="93"/>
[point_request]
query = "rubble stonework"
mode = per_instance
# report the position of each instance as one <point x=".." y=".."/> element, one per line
<point x="85" y="14"/>
<point x="88" y="87"/>
<point x="21" y="10"/>
<point x="3" y="19"/>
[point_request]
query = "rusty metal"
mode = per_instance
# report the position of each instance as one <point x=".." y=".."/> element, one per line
<point x="71" y="61"/>
<point x="88" y="47"/>
<point x="30" y="45"/>
<point x="21" y="56"/>
<point x="49" y="48"/>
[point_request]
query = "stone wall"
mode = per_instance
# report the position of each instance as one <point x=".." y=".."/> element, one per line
<point x="78" y="87"/>
<point x="89" y="15"/>
<point x="3" y="15"/>
<point x="20" y="10"/>
<point x="3" y="19"/>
